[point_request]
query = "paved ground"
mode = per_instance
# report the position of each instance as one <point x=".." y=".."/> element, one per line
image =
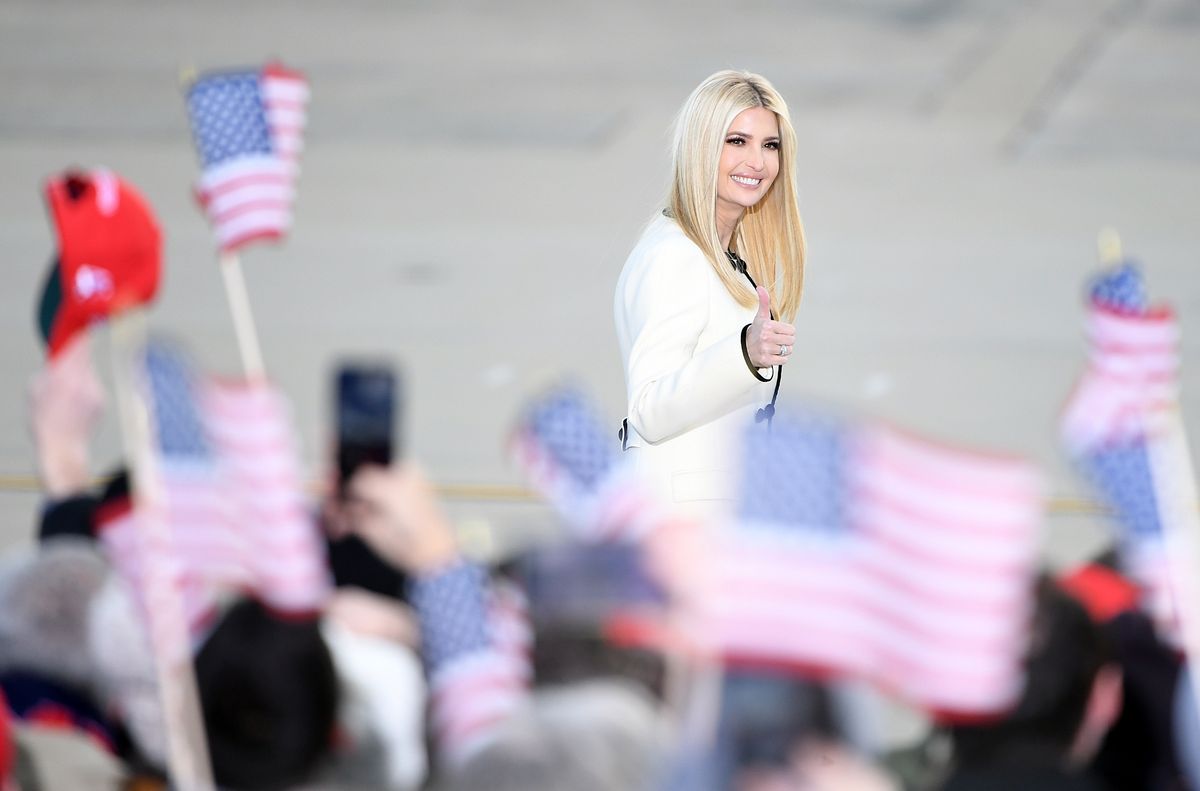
<point x="476" y="173"/>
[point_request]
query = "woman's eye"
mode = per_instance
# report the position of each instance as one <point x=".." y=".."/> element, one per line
<point x="773" y="145"/>
<point x="734" y="141"/>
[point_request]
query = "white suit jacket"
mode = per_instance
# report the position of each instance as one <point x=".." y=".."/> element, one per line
<point x="690" y="391"/>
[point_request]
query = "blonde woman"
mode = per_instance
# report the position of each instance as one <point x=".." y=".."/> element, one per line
<point x="704" y="304"/>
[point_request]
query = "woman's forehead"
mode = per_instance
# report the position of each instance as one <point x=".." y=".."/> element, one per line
<point x="755" y="120"/>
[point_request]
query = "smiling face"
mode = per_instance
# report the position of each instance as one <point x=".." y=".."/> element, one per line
<point x="748" y="167"/>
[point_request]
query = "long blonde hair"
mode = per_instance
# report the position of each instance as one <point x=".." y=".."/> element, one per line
<point x="770" y="235"/>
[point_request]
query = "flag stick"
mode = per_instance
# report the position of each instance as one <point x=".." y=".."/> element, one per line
<point x="695" y="675"/>
<point x="187" y="754"/>
<point x="698" y="688"/>
<point x="1108" y="242"/>
<point x="243" y="318"/>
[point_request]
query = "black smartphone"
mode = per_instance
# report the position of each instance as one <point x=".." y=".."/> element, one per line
<point x="367" y="399"/>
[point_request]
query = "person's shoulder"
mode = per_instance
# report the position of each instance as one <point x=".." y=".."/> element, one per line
<point x="664" y="245"/>
<point x="665" y="264"/>
<point x="663" y="234"/>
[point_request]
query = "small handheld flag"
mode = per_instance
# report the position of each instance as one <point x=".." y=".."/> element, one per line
<point x="1117" y="413"/>
<point x="248" y="129"/>
<point x="562" y="446"/>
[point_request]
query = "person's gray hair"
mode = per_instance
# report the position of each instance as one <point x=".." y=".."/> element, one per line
<point x="593" y="736"/>
<point x="45" y="597"/>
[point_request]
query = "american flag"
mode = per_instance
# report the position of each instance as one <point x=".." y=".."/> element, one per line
<point x="569" y="457"/>
<point x="249" y="426"/>
<point x="141" y="549"/>
<point x="248" y="127"/>
<point x="509" y="625"/>
<point x="565" y="451"/>
<point x="476" y="678"/>
<point x="227" y="486"/>
<point x="860" y="550"/>
<point x="1115" y="416"/>
<point x="183" y="475"/>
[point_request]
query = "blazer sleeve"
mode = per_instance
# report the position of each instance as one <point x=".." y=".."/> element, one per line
<point x="673" y="385"/>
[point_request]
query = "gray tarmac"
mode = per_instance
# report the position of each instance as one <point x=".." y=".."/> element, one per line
<point x="476" y="172"/>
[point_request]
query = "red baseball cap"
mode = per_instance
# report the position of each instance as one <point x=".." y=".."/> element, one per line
<point x="109" y="253"/>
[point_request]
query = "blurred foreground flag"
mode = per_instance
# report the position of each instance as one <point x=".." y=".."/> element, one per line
<point x="860" y="550"/>
<point x="248" y="128"/>
<point x="478" y="675"/>
<point x="228" y="488"/>
<point x="562" y="446"/>
<point x="1115" y="417"/>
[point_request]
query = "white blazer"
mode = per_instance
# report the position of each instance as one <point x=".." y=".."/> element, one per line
<point x="690" y="391"/>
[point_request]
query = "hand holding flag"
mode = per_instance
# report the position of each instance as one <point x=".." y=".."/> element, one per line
<point x="476" y="641"/>
<point x="66" y="401"/>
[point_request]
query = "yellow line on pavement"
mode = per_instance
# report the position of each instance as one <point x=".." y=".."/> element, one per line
<point x="480" y="492"/>
<point x="29" y="484"/>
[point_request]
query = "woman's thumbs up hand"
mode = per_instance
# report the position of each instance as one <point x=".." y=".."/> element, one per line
<point x="768" y="342"/>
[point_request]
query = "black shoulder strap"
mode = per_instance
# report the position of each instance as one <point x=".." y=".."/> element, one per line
<point x="767" y="413"/>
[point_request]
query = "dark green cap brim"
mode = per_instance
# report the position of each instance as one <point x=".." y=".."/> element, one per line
<point x="51" y="302"/>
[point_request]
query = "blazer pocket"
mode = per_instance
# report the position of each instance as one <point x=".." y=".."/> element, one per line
<point x="700" y="485"/>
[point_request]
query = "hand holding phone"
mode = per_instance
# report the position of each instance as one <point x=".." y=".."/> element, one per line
<point x="398" y="513"/>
